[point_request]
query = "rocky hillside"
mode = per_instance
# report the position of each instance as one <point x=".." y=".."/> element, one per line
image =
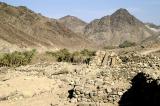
<point x="153" y="27"/>
<point x="23" y="28"/>
<point x="152" y="40"/>
<point x="117" y="28"/>
<point x="73" y="23"/>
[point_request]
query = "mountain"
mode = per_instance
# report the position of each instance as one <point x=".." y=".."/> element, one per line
<point x="20" y="27"/>
<point x="153" y="27"/>
<point x="73" y="23"/>
<point x="152" y="40"/>
<point x="117" y="28"/>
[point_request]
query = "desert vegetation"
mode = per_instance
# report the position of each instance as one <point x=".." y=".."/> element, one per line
<point x="110" y="47"/>
<point x="64" y="55"/>
<point x="127" y="44"/>
<point x="16" y="58"/>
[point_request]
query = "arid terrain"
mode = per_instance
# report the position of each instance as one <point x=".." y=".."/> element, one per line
<point x="101" y="83"/>
<point x="111" y="61"/>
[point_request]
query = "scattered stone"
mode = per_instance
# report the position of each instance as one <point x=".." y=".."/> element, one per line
<point x="105" y="80"/>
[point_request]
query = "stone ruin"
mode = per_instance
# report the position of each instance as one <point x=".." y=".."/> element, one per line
<point x="118" y="81"/>
<point x="106" y="58"/>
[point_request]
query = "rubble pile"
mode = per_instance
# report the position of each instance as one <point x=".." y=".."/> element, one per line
<point x="113" y="77"/>
<point x="143" y="60"/>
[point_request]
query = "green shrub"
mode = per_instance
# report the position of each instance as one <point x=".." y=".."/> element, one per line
<point x="77" y="57"/>
<point x="127" y="44"/>
<point x="110" y="47"/>
<point x="86" y="52"/>
<point x="16" y="58"/>
<point x="87" y="55"/>
<point x="64" y="55"/>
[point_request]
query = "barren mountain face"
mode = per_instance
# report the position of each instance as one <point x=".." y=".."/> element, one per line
<point x="153" y="27"/>
<point x="24" y="28"/>
<point x="117" y="28"/>
<point x="73" y="23"/>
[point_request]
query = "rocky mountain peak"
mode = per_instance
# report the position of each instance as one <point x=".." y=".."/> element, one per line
<point x="25" y="28"/>
<point x="122" y="11"/>
<point x="69" y="18"/>
<point x="123" y="17"/>
<point x="117" y="28"/>
<point x="73" y="23"/>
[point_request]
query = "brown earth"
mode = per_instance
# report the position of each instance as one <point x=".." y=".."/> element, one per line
<point x="22" y="28"/>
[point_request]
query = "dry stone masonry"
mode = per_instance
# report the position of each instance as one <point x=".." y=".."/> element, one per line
<point x="106" y="58"/>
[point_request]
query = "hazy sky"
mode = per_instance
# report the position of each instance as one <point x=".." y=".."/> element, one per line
<point x="145" y="10"/>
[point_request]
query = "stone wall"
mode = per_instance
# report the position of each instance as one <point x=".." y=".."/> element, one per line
<point x="105" y="58"/>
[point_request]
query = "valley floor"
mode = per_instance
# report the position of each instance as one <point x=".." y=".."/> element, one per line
<point x="66" y="84"/>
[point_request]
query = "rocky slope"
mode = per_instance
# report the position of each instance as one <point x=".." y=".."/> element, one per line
<point x="117" y="28"/>
<point x="24" y="28"/>
<point x="153" y="27"/>
<point x="153" y="41"/>
<point x="73" y="23"/>
<point x="64" y="84"/>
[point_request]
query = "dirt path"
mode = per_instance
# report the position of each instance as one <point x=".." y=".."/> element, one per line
<point x="23" y="90"/>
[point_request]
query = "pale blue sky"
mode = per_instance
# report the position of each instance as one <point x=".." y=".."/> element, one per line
<point x="145" y="10"/>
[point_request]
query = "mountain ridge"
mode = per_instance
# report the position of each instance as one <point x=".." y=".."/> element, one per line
<point x="24" y="28"/>
<point x="116" y="28"/>
<point x="73" y="23"/>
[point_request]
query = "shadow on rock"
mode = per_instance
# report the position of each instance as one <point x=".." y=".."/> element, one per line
<point x="144" y="92"/>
